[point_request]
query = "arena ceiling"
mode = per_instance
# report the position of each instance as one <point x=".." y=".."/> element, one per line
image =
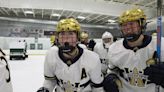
<point x="95" y="12"/>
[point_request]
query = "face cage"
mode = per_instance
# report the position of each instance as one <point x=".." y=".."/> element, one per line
<point x="142" y="23"/>
<point x="132" y="31"/>
<point x="107" y="40"/>
<point x="70" y="37"/>
<point x="130" y="28"/>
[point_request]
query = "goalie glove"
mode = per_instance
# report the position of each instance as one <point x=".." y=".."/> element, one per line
<point x="155" y="74"/>
<point x="43" y="89"/>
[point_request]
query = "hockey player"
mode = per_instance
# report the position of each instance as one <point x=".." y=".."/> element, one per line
<point x="102" y="49"/>
<point x="5" y="80"/>
<point x="84" y="38"/>
<point x="132" y="61"/>
<point x="53" y="40"/>
<point x="91" y="44"/>
<point x="68" y="67"/>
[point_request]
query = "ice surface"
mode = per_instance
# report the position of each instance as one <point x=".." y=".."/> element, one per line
<point x="27" y="75"/>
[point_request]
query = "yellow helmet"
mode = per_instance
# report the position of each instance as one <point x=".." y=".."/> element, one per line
<point x="132" y="15"/>
<point x="154" y="34"/>
<point x="69" y="24"/>
<point x="52" y="39"/>
<point x="84" y="35"/>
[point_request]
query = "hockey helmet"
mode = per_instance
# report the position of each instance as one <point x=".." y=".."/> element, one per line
<point x="129" y="18"/>
<point x="69" y="24"/>
<point x="133" y="15"/>
<point x="84" y="35"/>
<point x="52" y="39"/>
<point x="107" y="35"/>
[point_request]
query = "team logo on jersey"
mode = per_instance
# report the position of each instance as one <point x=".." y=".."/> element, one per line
<point x="68" y="87"/>
<point x="104" y="61"/>
<point x="150" y="61"/>
<point x="135" y="77"/>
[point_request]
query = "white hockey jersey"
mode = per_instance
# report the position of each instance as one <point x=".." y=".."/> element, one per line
<point x="102" y="51"/>
<point x="5" y="80"/>
<point x="133" y="64"/>
<point x="77" y="77"/>
<point x="82" y="46"/>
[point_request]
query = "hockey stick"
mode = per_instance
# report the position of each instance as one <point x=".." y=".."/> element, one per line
<point x="159" y="34"/>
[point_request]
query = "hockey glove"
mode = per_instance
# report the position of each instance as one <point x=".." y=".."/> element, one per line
<point x="91" y="44"/>
<point x="156" y="74"/>
<point x="111" y="83"/>
<point x="43" y="89"/>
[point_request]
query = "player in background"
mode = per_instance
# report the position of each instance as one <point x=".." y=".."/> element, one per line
<point x="68" y="67"/>
<point x="102" y="49"/>
<point x="91" y="44"/>
<point x="53" y="40"/>
<point x="84" y="36"/>
<point x="83" y="41"/>
<point x="5" y="80"/>
<point x="132" y="61"/>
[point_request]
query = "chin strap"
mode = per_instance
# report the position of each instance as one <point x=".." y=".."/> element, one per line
<point x="71" y="54"/>
<point x="66" y="48"/>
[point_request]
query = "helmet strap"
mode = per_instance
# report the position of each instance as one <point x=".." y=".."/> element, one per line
<point x="133" y="37"/>
<point x="72" y="54"/>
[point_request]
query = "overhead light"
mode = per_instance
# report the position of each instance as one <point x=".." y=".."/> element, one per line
<point x="55" y="14"/>
<point x="111" y="21"/>
<point x="29" y="12"/>
<point x="81" y="17"/>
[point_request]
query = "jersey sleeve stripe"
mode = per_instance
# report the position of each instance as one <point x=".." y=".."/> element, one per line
<point x="49" y="78"/>
<point x="97" y="85"/>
